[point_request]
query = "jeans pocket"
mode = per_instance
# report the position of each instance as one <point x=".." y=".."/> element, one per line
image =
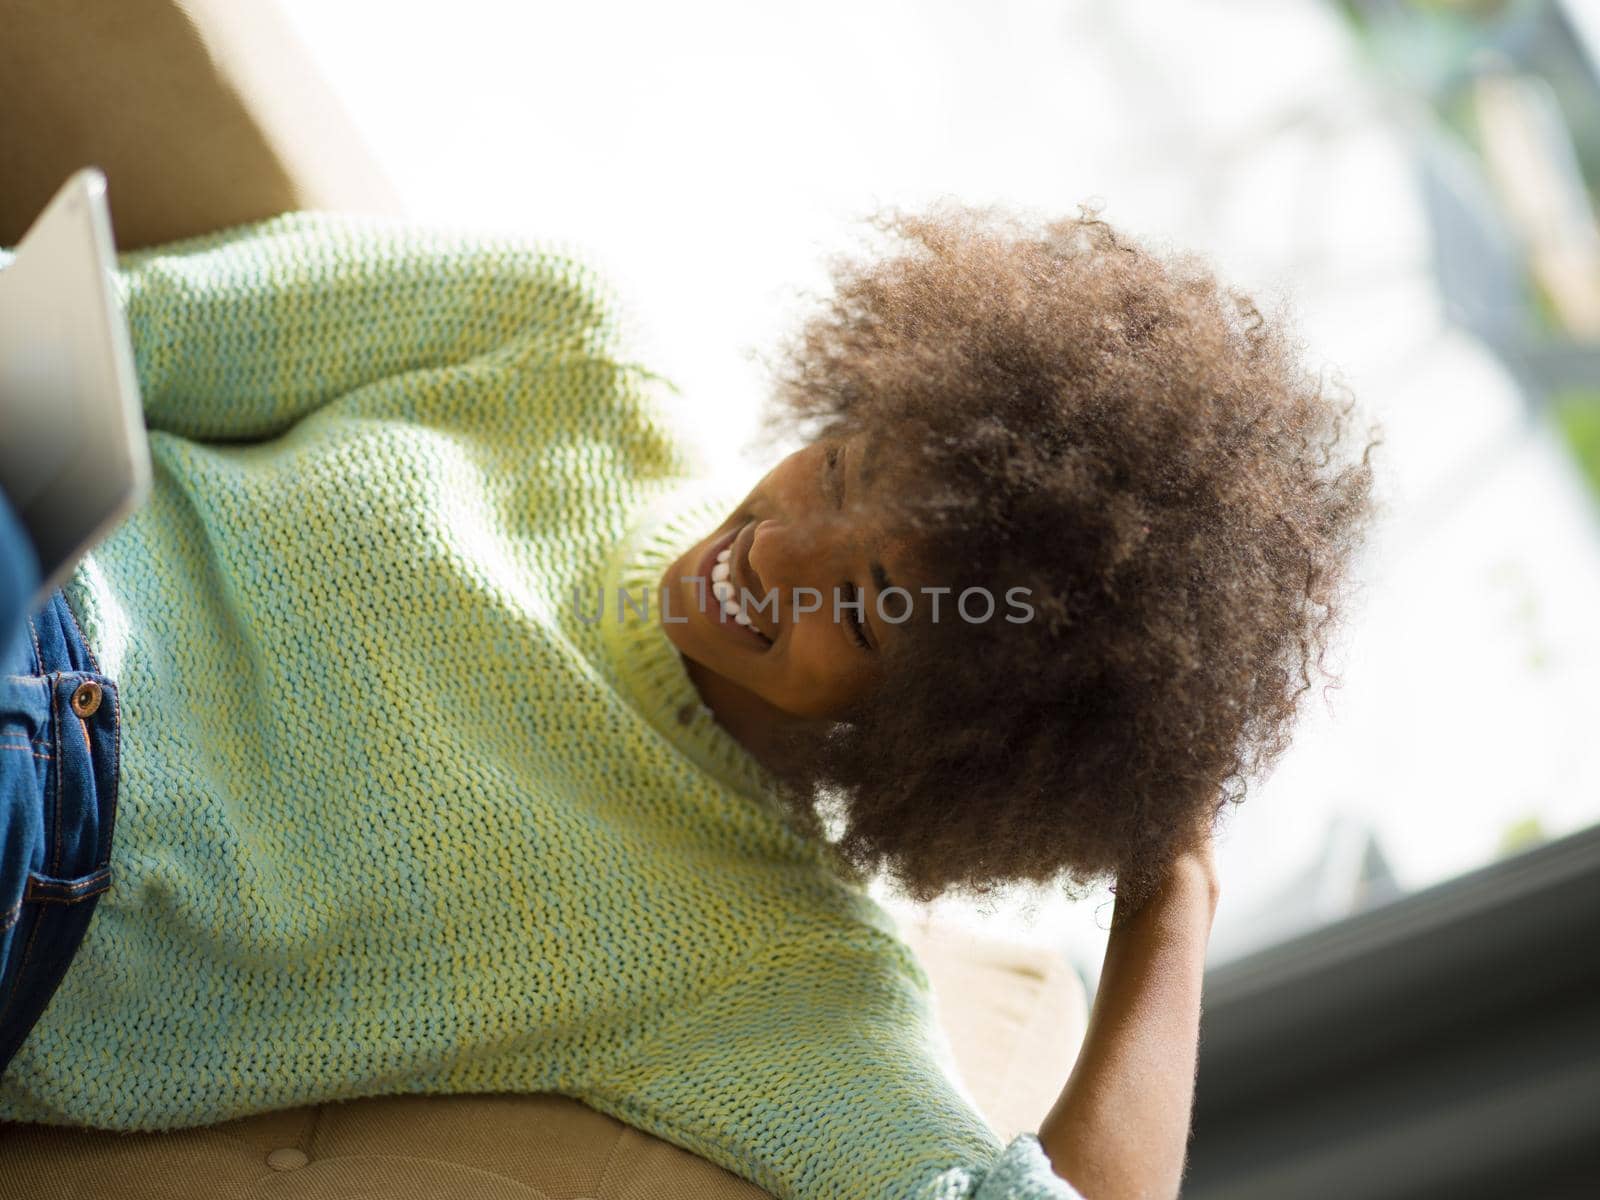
<point x="59" y="745"/>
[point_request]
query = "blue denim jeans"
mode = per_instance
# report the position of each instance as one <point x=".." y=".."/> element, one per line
<point x="59" y="742"/>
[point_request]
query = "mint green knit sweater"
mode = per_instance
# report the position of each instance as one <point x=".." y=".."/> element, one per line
<point x="394" y="816"/>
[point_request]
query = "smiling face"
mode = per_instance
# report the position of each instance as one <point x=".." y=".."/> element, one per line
<point x="804" y="537"/>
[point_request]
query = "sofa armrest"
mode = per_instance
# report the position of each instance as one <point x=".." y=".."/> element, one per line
<point x="202" y="113"/>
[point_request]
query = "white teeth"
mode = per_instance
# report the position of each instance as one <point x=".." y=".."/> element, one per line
<point x="731" y="608"/>
<point x="720" y="571"/>
<point x="723" y="591"/>
<point x="724" y="554"/>
<point x="739" y="618"/>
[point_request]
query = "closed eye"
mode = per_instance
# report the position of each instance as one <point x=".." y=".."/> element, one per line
<point x="853" y="616"/>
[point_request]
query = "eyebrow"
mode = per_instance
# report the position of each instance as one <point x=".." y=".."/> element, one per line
<point x="867" y="470"/>
<point x="880" y="577"/>
<point x="835" y="477"/>
<point x="864" y="474"/>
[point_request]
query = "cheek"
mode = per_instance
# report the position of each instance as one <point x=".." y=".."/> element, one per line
<point x="821" y="673"/>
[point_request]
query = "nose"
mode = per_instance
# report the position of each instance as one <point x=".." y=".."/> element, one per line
<point x="760" y="551"/>
<point x="785" y="555"/>
<point x="763" y="556"/>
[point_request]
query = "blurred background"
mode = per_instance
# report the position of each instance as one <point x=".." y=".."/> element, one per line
<point x="1414" y="180"/>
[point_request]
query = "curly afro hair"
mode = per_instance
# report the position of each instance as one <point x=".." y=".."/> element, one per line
<point x="1054" y="407"/>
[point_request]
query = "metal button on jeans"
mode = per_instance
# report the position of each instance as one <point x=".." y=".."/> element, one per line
<point x="86" y="699"/>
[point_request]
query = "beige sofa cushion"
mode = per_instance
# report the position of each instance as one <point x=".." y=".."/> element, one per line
<point x="1014" y="1014"/>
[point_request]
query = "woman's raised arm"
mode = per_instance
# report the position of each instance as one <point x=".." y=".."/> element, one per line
<point x="1121" y="1125"/>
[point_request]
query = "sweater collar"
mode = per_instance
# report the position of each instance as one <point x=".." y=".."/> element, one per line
<point x="649" y="667"/>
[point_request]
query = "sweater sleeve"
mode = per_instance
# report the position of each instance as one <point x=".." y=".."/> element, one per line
<point x="239" y="334"/>
<point x="812" y="1073"/>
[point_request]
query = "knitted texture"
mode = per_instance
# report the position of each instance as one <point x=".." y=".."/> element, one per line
<point x="397" y="813"/>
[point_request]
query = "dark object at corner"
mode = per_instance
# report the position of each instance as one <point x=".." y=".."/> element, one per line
<point x="1444" y="1045"/>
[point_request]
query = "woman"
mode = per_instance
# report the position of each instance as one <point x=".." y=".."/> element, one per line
<point x="465" y="741"/>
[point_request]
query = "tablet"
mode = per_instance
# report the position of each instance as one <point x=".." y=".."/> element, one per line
<point x="73" y="456"/>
